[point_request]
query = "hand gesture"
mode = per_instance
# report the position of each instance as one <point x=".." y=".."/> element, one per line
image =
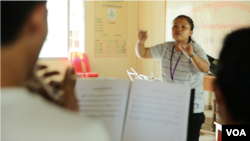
<point x="187" y="49"/>
<point x="68" y="86"/>
<point x="61" y="93"/>
<point x="142" y="36"/>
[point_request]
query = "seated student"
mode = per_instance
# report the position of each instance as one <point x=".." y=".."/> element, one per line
<point x="232" y="79"/>
<point x="27" y="116"/>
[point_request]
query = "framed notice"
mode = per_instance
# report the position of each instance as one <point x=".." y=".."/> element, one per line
<point x="110" y="29"/>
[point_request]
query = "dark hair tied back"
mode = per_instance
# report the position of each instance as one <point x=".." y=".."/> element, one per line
<point x="191" y="23"/>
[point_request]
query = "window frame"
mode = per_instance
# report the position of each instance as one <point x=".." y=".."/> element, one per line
<point x="81" y="41"/>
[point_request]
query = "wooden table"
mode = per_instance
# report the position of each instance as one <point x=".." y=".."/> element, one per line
<point x="208" y="82"/>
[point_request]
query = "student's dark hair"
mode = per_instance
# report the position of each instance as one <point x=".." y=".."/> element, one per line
<point x="233" y="74"/>
<point x="13" y="16"/>
<point x="191" y="23"/>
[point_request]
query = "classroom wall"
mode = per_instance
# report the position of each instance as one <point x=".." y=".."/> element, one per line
<point x="112" y="66"/>
<point x="151" y="17"/>
<point x="144" y="15"/>
<point x="105" y="66"/>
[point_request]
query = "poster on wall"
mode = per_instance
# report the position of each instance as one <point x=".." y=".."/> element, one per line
<point x="110" y="29"/>
<point x="213" y="20"/>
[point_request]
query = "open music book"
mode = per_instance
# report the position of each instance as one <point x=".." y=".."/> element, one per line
<point x="138" y="110"/>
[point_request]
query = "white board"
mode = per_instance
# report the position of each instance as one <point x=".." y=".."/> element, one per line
<point x="212" y="20"/>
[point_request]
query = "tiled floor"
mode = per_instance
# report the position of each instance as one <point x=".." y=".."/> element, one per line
<point x="207" y="137"/>
<point x="208" y="121"/>
<point x="208" y="126"/>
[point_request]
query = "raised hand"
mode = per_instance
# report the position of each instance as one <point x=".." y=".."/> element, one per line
<point x="60" y="93"/>
<point x="142" y="36"/>
<point x="68" y="86"/>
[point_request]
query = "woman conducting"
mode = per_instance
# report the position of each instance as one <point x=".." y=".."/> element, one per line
<point x="182" y="62"/>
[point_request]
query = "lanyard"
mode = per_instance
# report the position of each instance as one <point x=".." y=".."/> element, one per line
<point x="172" y="73"/>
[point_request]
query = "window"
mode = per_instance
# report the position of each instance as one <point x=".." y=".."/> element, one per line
<point x="66" y="28"/>
<point x="77" y="27"/>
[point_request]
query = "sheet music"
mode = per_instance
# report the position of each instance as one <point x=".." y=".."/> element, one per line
<point x="105" y="99"/>
<point x="157" y="112"/>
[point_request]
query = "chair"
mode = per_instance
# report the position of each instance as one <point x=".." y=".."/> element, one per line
<point x="76" y="58"/>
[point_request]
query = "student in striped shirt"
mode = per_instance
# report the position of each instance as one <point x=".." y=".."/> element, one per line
<point x="183" y="61"/>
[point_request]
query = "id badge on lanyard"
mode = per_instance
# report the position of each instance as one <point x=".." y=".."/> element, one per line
<point x="172" y="73"/>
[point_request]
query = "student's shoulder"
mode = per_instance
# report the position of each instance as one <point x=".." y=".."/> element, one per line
<point x="45" y="120"/>
<point x="79" y="126"/>
<point x="53" y="112"/>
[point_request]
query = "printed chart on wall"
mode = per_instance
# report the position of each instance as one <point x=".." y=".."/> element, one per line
<point x="213" y="20"/>
<point x="110" y="29"/>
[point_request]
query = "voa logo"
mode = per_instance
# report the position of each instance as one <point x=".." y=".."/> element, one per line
<point x="235" y="132"/>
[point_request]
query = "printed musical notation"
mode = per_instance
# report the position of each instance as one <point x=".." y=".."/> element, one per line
<point x="156" y="106"/>
<point x="105" y="99"/>
<point x="101" y="105"/>
<point x="156" y="111"/>
<point x="110" y="29"/>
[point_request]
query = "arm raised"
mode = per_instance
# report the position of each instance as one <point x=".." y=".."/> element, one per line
<point x="140" y="49"/>
<point x="201" y="64"/>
